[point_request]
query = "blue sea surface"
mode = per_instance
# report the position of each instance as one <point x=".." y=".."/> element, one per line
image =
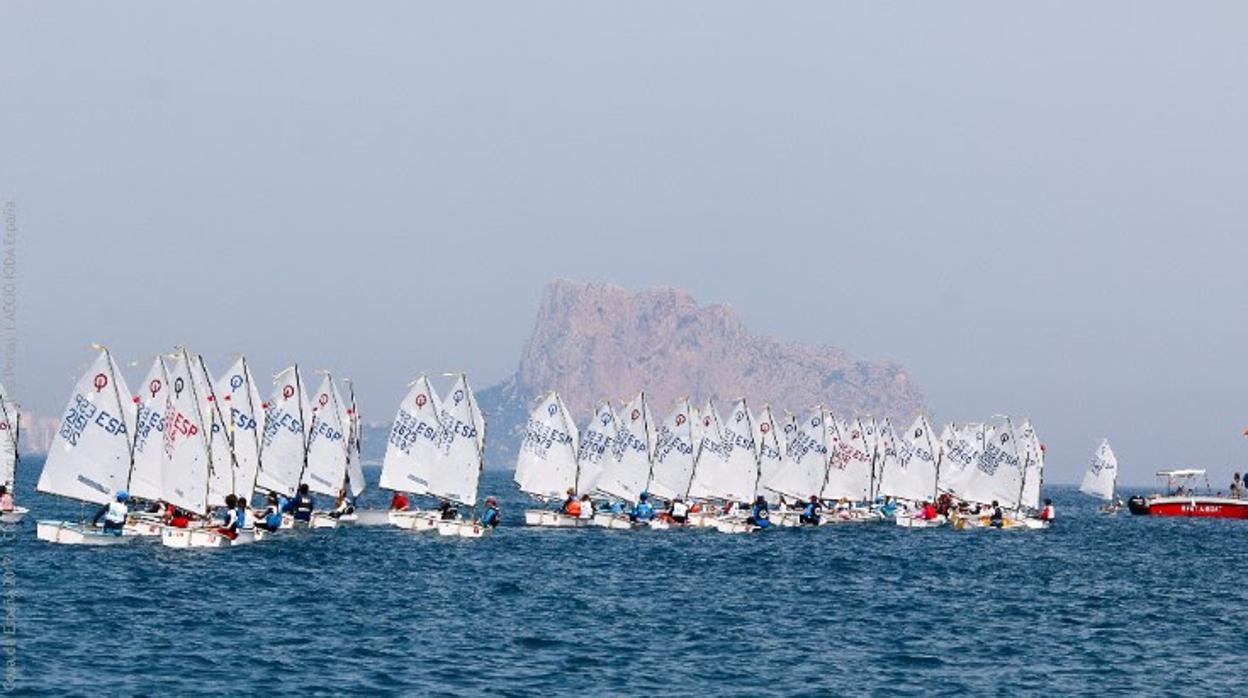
<point x="1100" y="604"/>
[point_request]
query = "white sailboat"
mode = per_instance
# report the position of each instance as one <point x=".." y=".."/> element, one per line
<point x="597" y="447"/>
<point x="189" y="474"/>
<point x="284" y="444"/>
<point x="412" y="453"/>
<point x="626" y="474"/>
<point x="770" y="451"/>
<point x="244" y="411"/>
<point x="460" y="451"/>
<point x="92" y="453"/>
<point x="149" y="447"/>
<point x="547" y="467"/>
<point x="912" y="476"/>
<point x="674" y="462"/>
<point x="328" y="449"/>
<point x="10" y="432"/>
<point x="221" y="480"/>
<point x="1101" y="478"/>
<point x="805" y="457"/>
<point x="356" y="484"/>
<point x="848" y="480"/>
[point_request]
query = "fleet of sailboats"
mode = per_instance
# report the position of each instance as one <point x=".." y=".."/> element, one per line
<point x="859" y="467"/>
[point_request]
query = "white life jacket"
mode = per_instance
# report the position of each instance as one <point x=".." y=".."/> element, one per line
<point x="116" y="513"/>
<point x="587" y="509"/>
<point x="680" y="508"/>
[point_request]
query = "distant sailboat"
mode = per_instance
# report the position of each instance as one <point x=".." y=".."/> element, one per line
<point x="92" y="453"/>
<point x="328" y="447"/>
<point x="10" y="431"/>
<point x="284" y="444"/>
<point x="1101" y="478"/>
<point x="627" y="472"/>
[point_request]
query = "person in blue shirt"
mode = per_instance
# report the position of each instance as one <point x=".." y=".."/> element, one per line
<point x="617" y="508"/>
<point x="273" y="513"/>
<point x="888" y="508"/>
<point x="760" y="515"/>
<point x="491" y="516"/>
<point x="301" y="506"/>
<point x="243" y="506"/>
<point x="810" y="515"/>
<point x="644" y="511"/>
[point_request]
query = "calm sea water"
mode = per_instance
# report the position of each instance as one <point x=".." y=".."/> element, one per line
<point x="1099" y="604"/>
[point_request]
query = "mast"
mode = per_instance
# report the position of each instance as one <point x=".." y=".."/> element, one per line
<point x="303" y="424"/>
<point x="827" y="450"/>
<point x="257" y="417"/>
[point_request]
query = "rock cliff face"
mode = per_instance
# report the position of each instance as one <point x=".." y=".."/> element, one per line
<point x="593" y="342"/>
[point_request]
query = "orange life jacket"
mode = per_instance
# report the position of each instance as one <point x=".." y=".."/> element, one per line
<point x="574" y="508"/>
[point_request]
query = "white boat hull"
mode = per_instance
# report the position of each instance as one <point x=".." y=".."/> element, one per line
<point x="144" y="526"/>
<point x="461" y="529"/>
<point x="322" y="520"/>
<point x="372" y="517"/>
<point x="734" y="525"/>
<point x="14" y="516"/>
<point x="704" y="519"/>
<point x="911" y="521"/>
<point x="553" y="519"/>
<point x="608" y="520"/>
<point x="415" y="520"/>
<point x="69" y="533"/>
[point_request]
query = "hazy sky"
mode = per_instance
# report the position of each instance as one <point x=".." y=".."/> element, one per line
<point x="1038" y="208"/>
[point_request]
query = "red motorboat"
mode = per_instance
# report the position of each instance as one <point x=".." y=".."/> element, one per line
<point x="1182" y="500"/>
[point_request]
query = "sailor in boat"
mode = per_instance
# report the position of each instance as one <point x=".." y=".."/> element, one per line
<point x="230" y="522"/>
<point x="587" y="507"/>
<point x="644" y="511"/>
<point x="342" y="505"/>
<point x="679" y="511"/>
<point x="114" y="514"/>
<point x="760" y="515"/>
<point x="302" y="505"/>
<point x="398" y="502"/>
<point x="272" y="519"/>
<point x="888" y="508"/>
<point x="811" y="513"/>
<point x="6" y="499"/>
<point x="571" y="506"/>
<point x="997" y="519"/>
<point x="928" y="512"/>
<point x="1115" y="506"/>
<point x="491" y="516"/>
<point x="245" y="519"/>
<point x="446" y="512"/>
<point x="176" y="517"/>
<point x="1047" y="514"/>
<point x="1235" y="486"/>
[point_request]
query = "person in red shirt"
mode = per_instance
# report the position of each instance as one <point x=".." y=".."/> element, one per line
<point x="1047" y="513"/>
<point x="398" y="502"/>
<point x="929" y="511"/>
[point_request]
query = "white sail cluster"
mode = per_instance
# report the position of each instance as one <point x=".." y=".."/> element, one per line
<point x="703" y="455"/>
<point x="187" y="439"/>
<point x="436" y="445"/>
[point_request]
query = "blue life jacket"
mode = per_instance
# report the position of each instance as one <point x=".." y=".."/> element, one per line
<point x="643" y="511"/>
<point x="274" y="518"/>
<point x="242" y="516"/>
<point x="490" y="517"/>
<point x="303" y="507"/>
<point x="809" y="512"/>
<point x="762" y="517"/>
<point x="284" y="503"/>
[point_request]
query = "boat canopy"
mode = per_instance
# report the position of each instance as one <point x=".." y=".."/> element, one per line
<point x="1187" y="472"/>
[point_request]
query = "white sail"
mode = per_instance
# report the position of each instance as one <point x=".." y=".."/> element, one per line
<point x="546" y="466"/>
<point x="241" y="405"/>
<point x="327" y="441"/>
<point x="1102" y="474"/>
<point x="597" y="447"/>
<point x="733" y="475"/>
<point x="283" y="448"/>
<point x="10" y="425"/>
<point x="960" y="449"/>
<point x="805" y="457"/>
<point x="222" y="468"/>
<point x="674" y="454"/>
<point x="627" y="474"/>
<point x="184" y="480"/>
<point x="849" y="462"/>
<point x="998" y="474"/>
<point x="1032" y="454"/>
<point x="411" y="448"/>
<point x="456" y="471"/>
<point x="770" y="452"/>
<point x="355" y="468"/>
<point x="90" y="456"/>
<point x="912" y="474"/>
<point x="149" y="433"/>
